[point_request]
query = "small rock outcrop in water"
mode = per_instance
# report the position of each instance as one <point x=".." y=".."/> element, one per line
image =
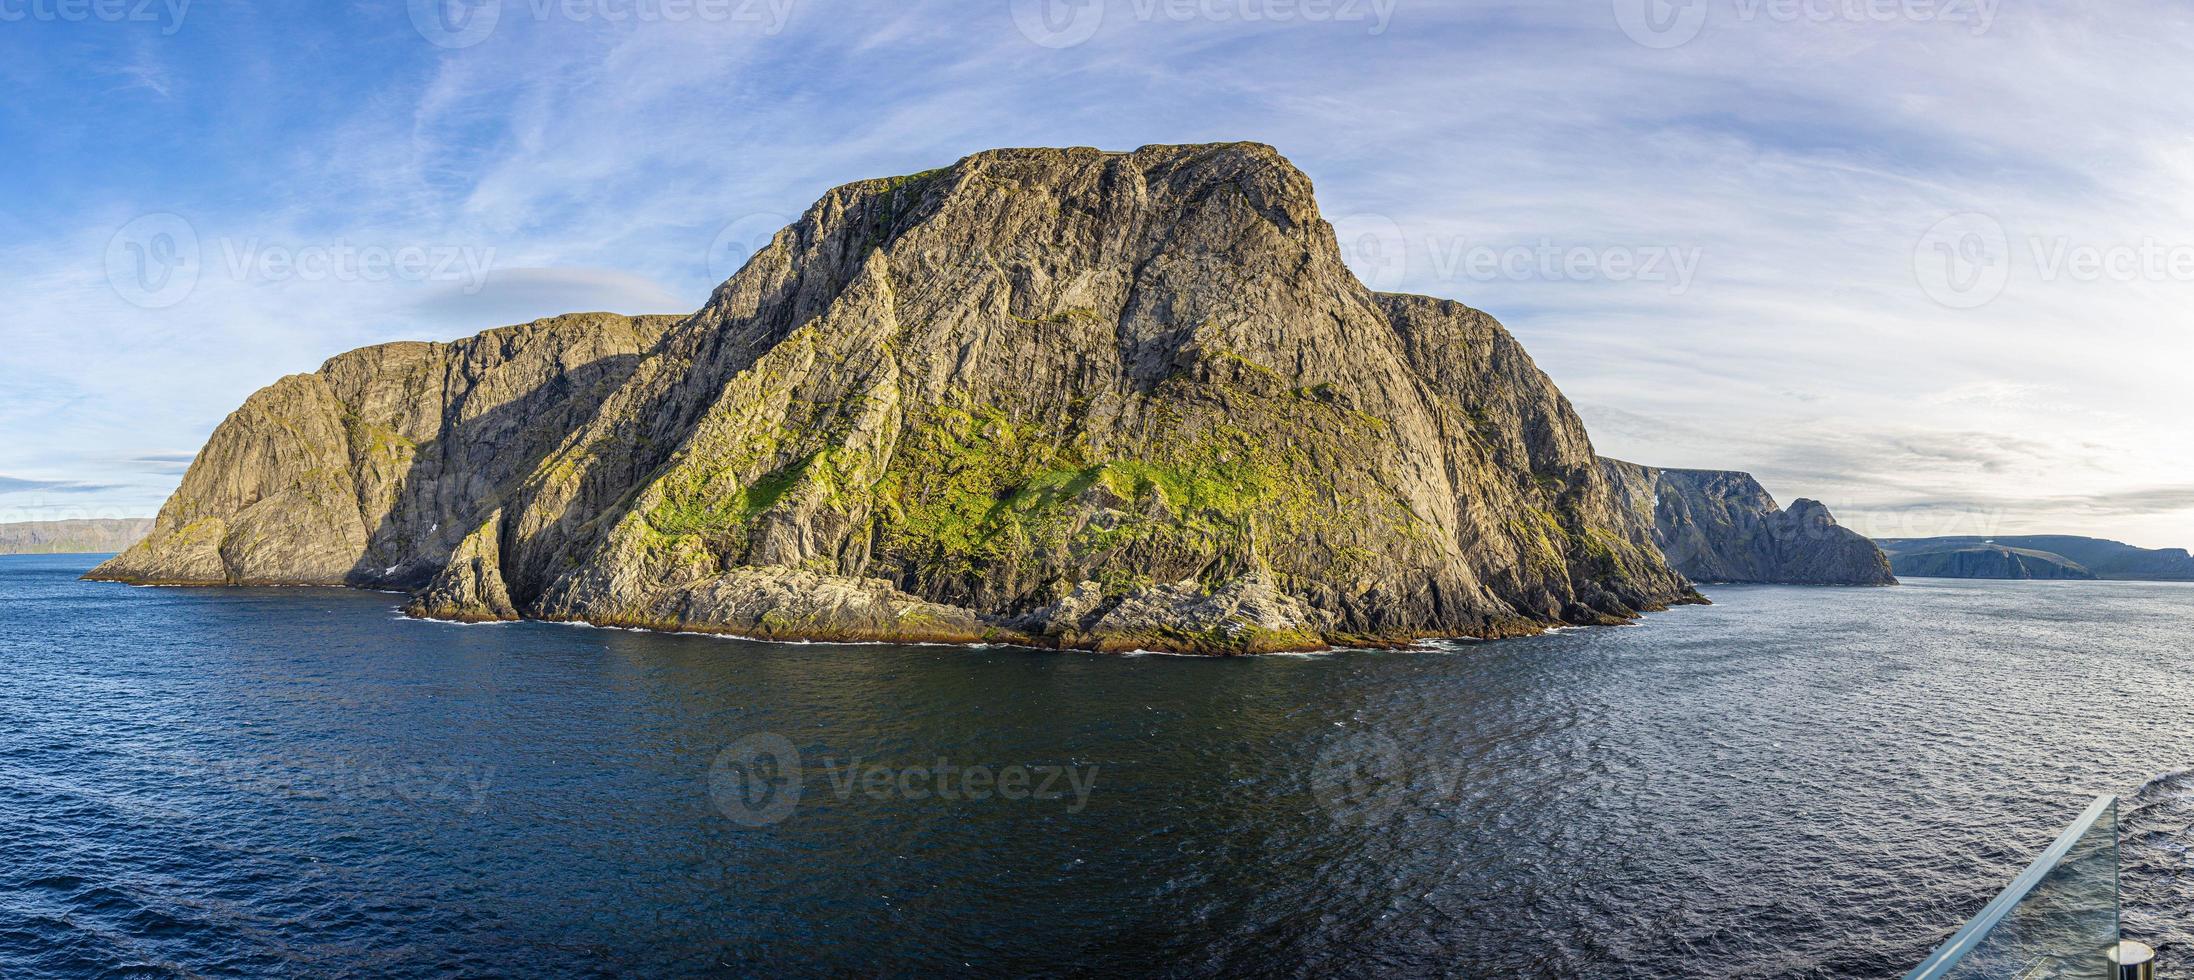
<point x="1064" y="397"/>
<point x="1722" y="526"/>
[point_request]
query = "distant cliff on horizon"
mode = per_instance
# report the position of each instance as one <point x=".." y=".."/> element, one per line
<point x="76" y="537"/>
<point x="1723" y="526"/>
<point x="2036" y="556"/>
<point x="1069" y="398"/>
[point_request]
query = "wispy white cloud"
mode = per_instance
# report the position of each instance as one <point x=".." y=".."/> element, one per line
<point x="146" y="71"/>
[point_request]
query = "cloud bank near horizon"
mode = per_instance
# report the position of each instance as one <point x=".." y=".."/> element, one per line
<point x="1933" y="270"/>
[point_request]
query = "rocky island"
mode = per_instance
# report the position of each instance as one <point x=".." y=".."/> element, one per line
<point x="1069" y="398"/>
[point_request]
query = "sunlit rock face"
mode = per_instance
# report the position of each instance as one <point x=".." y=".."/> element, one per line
<point x="1063" y="397"/>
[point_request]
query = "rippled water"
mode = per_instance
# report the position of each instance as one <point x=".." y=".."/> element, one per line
<point x="1793" y="782"/>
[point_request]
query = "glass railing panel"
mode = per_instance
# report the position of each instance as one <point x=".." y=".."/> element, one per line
<point x="2057" y="919"/>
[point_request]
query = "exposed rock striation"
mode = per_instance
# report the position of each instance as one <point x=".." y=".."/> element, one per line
<point x="1064" y="397"/>
<point x="1722" y="526"/>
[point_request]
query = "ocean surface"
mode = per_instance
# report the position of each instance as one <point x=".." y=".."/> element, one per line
<point x="1789" y="783"/>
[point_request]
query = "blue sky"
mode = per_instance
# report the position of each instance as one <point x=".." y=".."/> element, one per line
<point x="1927" y="261"/>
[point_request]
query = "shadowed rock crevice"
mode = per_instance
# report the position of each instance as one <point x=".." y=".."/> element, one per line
<point x="1064" y="397"/>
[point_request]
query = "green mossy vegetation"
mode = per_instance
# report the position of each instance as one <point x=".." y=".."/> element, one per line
<point x="704" y="512"/>
<point x="204" y="530"/>
<point x="973" y="488"/>
<point x="1217" y="481"/>
<point x="370" y="440"/>
<point x="1607" y="556"/>
<point x="1547" y="540"/>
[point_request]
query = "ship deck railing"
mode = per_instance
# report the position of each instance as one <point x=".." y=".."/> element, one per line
<point x="2058" y="919"/>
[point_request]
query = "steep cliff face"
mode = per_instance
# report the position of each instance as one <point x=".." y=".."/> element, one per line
<point x="1105" y="400"/>
<point x="371" y="471"/>
<point x="1722" y="526"/>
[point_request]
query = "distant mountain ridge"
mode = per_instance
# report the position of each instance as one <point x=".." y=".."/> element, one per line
<point x="83" y="537"/>
<point x="2023" y="556"/>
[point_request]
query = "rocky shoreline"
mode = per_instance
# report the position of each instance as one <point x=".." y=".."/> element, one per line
<point x="1160" y="635"/>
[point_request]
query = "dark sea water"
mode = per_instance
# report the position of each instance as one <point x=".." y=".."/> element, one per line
<point x="1790" y="783"/>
